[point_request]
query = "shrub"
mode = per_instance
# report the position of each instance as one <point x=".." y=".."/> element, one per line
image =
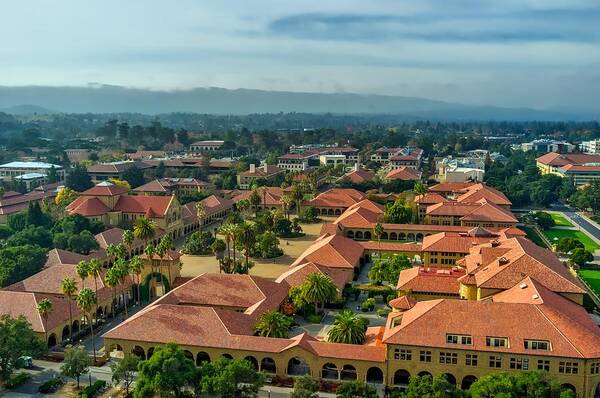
<point x="309" y="215"/>
<point x="51" y="385"/>
<point x="91" y="391"/>
<point x="383" y="312"/>
<point x="368" y="305"/>
<point x="16" y="380"/>
<point x="313" y="318"/>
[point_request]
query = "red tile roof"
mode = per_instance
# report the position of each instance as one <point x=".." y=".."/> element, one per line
<point x="269" y="196"/>
<point x="478" y="192"/>
<point x="430" y="198"/>
<point x="332" y="251"/>
<point x="483" y="211"/>
<point x="391" y="246"/>
<point x="404" y="174"/>
<point x="155" y="205"/>
<point x="261" y="172"/>
<point x="337" y="197"/>
<point x="558" y="159"/>
<point x="105" y="189"/>
<point x="442" y="280"/>
<point x="358" y="176"/>
<point x="297" y="275"/>
<point x="403" y="303"/>
<point x="87" y="206"/>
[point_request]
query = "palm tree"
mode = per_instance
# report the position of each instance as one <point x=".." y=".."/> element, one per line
<point x="112" y="252"/>
<point x="297" y="195"/>
<point x="286" y="202"/>
<point x="68" y="287"/>
<point x="167" y="242"/>
<point x="377" y="232"/>
<point x="243" y="205"/>
<point x="218" y="247"/>
<point x="122" y="272"/>
<point x="229" y="231"/>
<point x="420" y="188"/>
<point x="149" y="252"/>
<point x="86" y="300"/>
<point x="144" y="229"/>
<point x="161" y="250"/>
<point x="348" y="328"/>
<point x="128" y="239"/>
<point x="82" y="269"/>
<point x="318" y="289"/>
<point x="273" y="324"/>
<point x="248" y="239"/>
<point x="255" y="200"/>
<point x="95" y="269"/>
<point x="136" y="267"/>
<point x="111" y="279"/>
<point x="44" y="308"/>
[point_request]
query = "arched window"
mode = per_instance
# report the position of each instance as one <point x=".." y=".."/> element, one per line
<point x="267" y="365"/>
<point x="375" y="375"/>
<point x="52" y="340"/>
<point x="253" y="361"/>
<point x="450" y="377"/>
<point x="467" y="381"/>
<point x="297" y="367"/>
<point x="330" y="371"/>
<point x="368" y="235"/>
<point x="348" y="373"/>
<point x="139" y="352"/>
<point x="202" y="357"/>
<point x="393" y="236"/>
<point x="401" y="378"/>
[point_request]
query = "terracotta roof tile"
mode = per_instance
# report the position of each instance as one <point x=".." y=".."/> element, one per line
<point x="297" y="275"/>
<point x="404" y="174"/>
<point x="105" y="189"/>
<point x="332" y="251"/>
<point x="337" y="197"/>
<point x="442" y="280"/>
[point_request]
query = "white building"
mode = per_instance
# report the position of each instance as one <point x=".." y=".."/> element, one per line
<point x="591" y="146"/>
<point x="545" y="145"/>
<point x="460" y="169"/>
<point x="205" y="146"/>
<point x="11" y="170"/>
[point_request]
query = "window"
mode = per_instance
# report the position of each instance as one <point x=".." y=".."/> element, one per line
<point x="458" y="339"/>
<point x="544" y="364"/>
<point x="568" y="367"/>
<point x="450" y="358"/>
<point x="595" y="368"/>
<point x="402" y="354"/>
<point x="537" y="345"/>
<point x="425" y="356"/>
<point x="471" y="360"/>
<point x="495" y="361"/>
<point x="496" y="341"/>
<point x="519" y="363"/>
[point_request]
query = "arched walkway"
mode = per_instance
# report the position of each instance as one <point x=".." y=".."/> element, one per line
<point x="52" y="340"/>
<point x="330" y="371"/>
<point x="374" y="375"/>
<point x="348" y="373"/>
<point x="570" y="387"/>
<point x="384" y="236"/>
<point x="401" y="378"/>
<point x="419" y="237"/>
<point x="298" y="367"/>
<point x="451" y="379"/>
<point x="350" y="234"/>
<point x="410" y="237"/>
<point x="139" y="352"/>
<point x="267" y="365"/>
<point x="358" y="235"/>
<point x="467" y="381"/>
<point x="597" y="393"/>
<point x="424" y="373"/>
<point x="188" y="354"/>
<point x="227" y="356"/>
<point x="393" y="236"/>
<point x="368" y="235"/>
<point x="330" y="212"/>
<point x="150" y="352"/>
<point x="338" y="212"/>
<point x="253" y="361"/>
<point x="156" y="278"/>
<point x="75" y="327"/>
<point x="202" y="357"/>
<point x="65" y="333"/>
<point x="115" y="347"/>
<point x="401" y="236"/>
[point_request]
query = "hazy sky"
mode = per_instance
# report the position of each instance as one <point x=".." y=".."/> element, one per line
<point x="538" y="53"/>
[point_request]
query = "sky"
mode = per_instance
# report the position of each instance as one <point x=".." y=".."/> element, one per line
<point x="519" y="53"/>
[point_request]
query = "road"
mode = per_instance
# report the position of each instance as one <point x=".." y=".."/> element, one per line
<point x="588" y="227"/>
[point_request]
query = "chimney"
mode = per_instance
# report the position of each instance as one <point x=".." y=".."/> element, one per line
<point x="502" y="261"/>
<point x="495" y="243"/>
<point x="356" y="166"/>
<point x="252" y="168"/>
<point x="266" y="168"/>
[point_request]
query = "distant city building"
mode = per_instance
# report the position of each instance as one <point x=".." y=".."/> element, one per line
<point x="590" y="146"/>
<point x="582" y="168"/>
<point x="31" y="171"/>
<point x="267" y="172"/>
<point x="104" y="171"/>
<point x="406" y="157"/>
<point x="313" y="157"/>
<point x="77" y="154"/>
<point x="295" y="161"/>
<point x="205" y="146"/>
<point x="545" y="145"/>
<point x="462" y="169"/>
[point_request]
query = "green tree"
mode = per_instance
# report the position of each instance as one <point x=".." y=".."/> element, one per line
<point x="348" y="328"/>
<point x="83" y="243"/>
<point x="543" y="219"/>
<point x="420" y="188"/>
<point x="274" y="324"/>
<point x="86" y="301"/>
<point x="534" y="384"/>
<point x="318" y="289"/>
<point x="78" y="179"/>
<point x="144" y="229"/>
<point x="123" y="371"/>
<point x="83" y="270"/>
<point x="134" y="176"/>
<point x="581" y="256"/>
<point x="255" y="201"/>
<point x="44" y="308"/>
<point x="227" y="378"/>
<point x="136" y="267"/>
<point x="198" y="243"/>
<point x="377" y="232"/>
<point x="17" y="339"/>
<point x="167" y="372"/>
<point x="398" y="212"/>
<point x="76" y="362"/>
<point x="305" y="387"/>
<point x="267" y="245"/>
<point x="32" y="235"/>
<point x="428" y="387"/>
<point x="356" y="389"/>
<point x="68" y="287"/>
<point x="566" y="245"/>
<point x="387" y="269"/>
<point x="20" y="262"/>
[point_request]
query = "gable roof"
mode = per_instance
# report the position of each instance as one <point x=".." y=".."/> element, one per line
<point x="87" y="207"/>
<point x="337" y="197"/>
<point x="152" y="206"/>
<point x="269" y="196"/>
<point x="358" y="176"/>
<point x="404" y="174"/>
<point x="105" y="188"/>
<point x="442" y="280"/>
<point x="478" y="192"/>
<point x="335" y="251"/>
<point x="297" y="275"/>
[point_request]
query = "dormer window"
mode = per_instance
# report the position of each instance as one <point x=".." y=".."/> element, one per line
<point x="543" y="345"/>
<point x="496" y="342"/>
<point x="459" y="339"/>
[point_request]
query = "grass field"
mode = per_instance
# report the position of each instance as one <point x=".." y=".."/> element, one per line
<point x="589" y="244"/>
<point x="592" y="278"/>
<point x="534" y="236"/>
<point x="560" y="220"/>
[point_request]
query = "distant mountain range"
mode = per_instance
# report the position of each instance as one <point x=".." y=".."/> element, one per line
<point x="213" y="100"/>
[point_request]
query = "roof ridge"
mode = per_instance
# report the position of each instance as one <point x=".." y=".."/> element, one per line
<point x="553" y="325"/>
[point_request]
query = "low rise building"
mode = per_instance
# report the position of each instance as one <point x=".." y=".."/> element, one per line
<point x="299" y="161"/>
<point x="172" y="186"/>
<point x="199" y="147"/>
<point x="592" y="147"/>
<point x="335" y="201"/>
<point x="266" y="172"/>
<point x="583" y="169"/>
<point x="546" y="145"/>
<point x="407" y="157"/>
<point x="11" y="170"/>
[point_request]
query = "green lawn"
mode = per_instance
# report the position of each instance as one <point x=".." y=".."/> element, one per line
<point x="589" y="244"/>
<point x="592" y="278"/>
<point x="560" y="220"/>
<point x="534" y="236"/>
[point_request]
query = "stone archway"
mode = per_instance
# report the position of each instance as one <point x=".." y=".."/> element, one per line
<point x="150" y="352"/>
<point x="393" y="236"/>
<point x="424" y="373"/>
<point x="368" y="235"/>
<point x="253" y="361"/>
<point x="401" y="378"/>
<point x="139" y="352"/>
<point x="66" y="332"/>
<point x="467" y="381"/>
<point x="268" y="365"/>
<point x="384" y="236"/>
<point x="348" y="373"/>
<point x="350" y="234"/>
<point x="450" y="377"/>
<point x="374" y="375"/>
<point x="571" y="387"/>
<point x="330" y="371"/>
<point x="358" y="235"/>
<point x="338" y="212"/>
<point x="202" y="357"/>
<point x="298" y="367"/>
<point x="227" y="356"/>
<point x="188" y="354"/>
<point x="52" y="340"/>
<point x="151" y="281"/>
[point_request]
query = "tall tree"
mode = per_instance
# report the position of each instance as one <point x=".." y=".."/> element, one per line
<point x="274" y="324"/>
<point x="17" y="339"/>
<point x="86" y="301"/>
<point x="149" y="252"/>
<point x="124" y="371"/>
<point x="305" y="387"/>
<point x="318" y="289"/>
<point x="82" y="269"/>
<point x="78" y="179"/>
<point x="377" y="232"/>
<point x="144" y="229"/>
<point x="76" y="362"/>
<point x="136" y="266"/>
<point x="354" y="389"/>
<point x="230" y="379"/>
<point x="44" y="308"/>
<point x="111" y="279"/>
<point x="68" y="287"/>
